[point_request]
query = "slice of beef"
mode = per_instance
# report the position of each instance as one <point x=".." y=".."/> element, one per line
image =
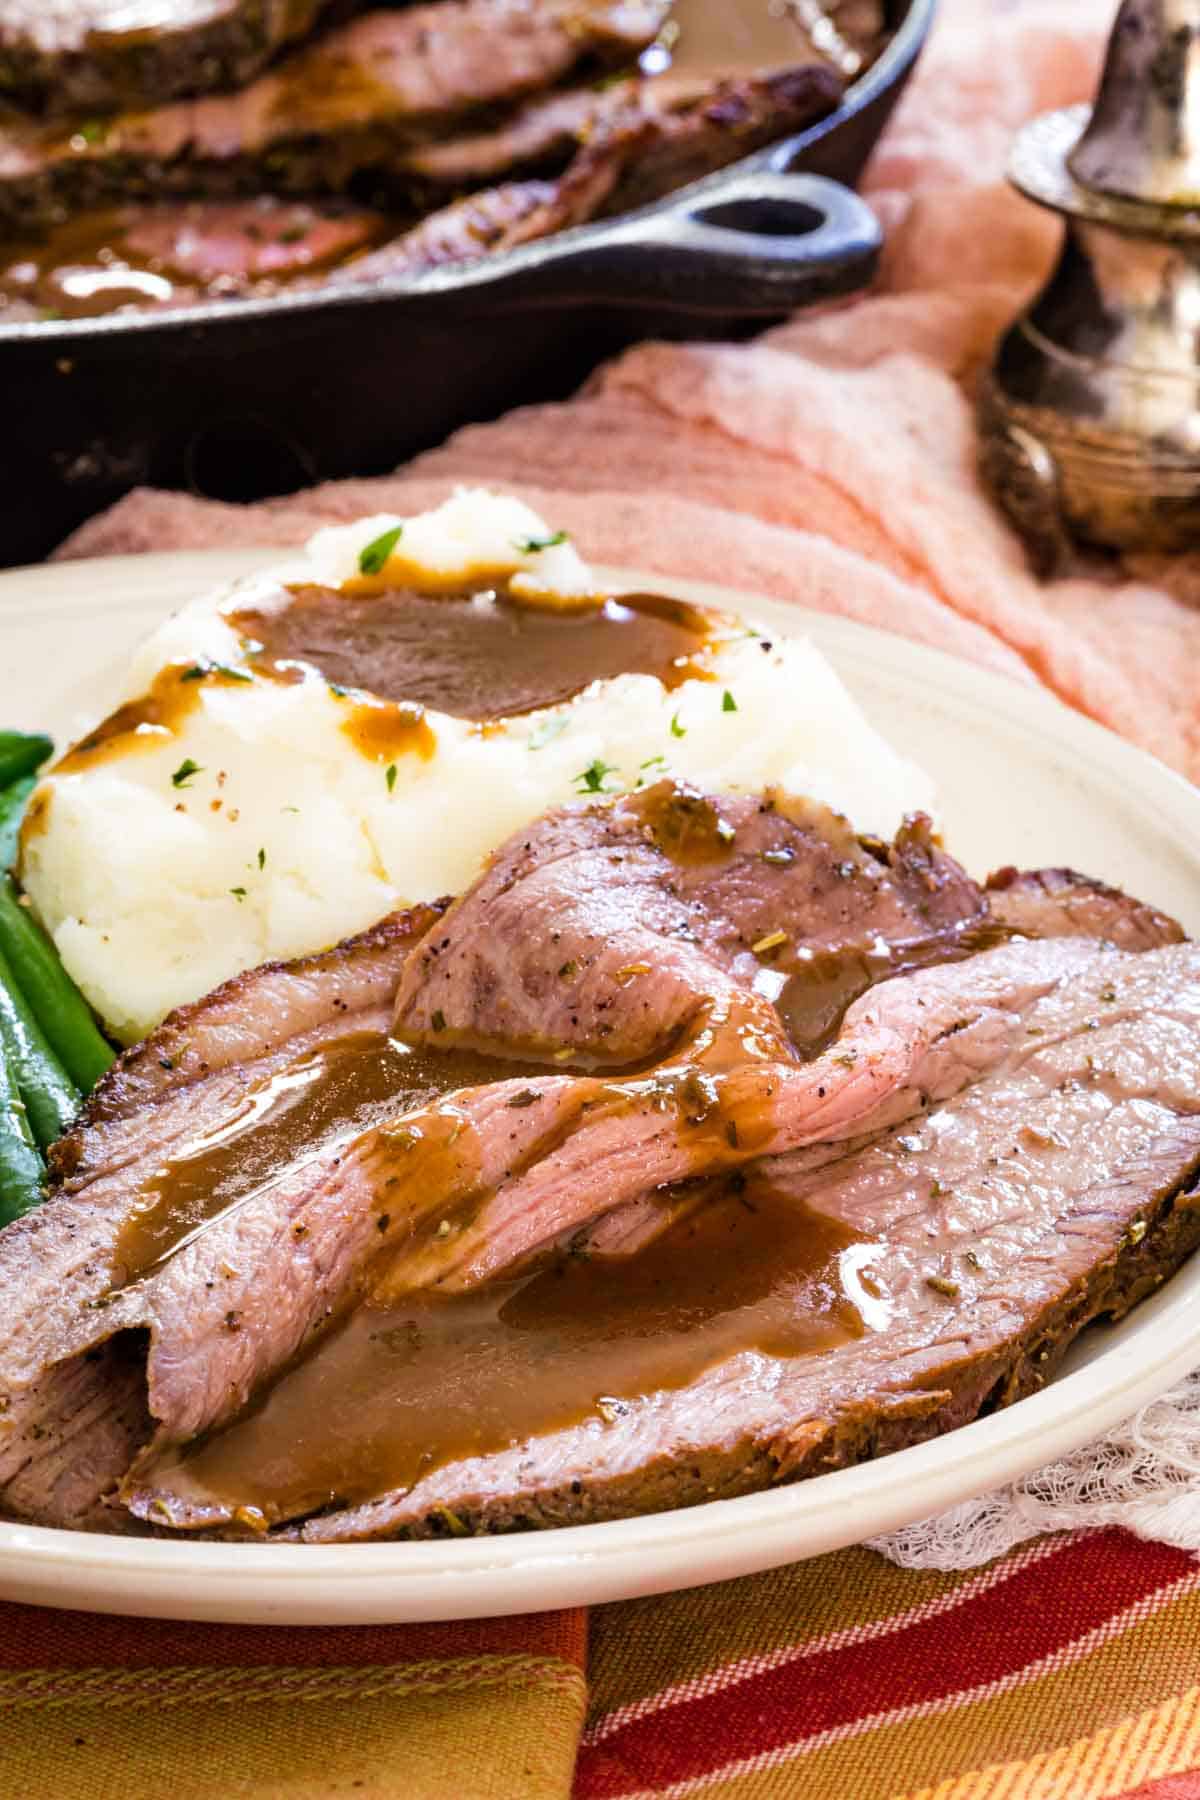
<point x="697" y="122"/>
<point x="93" y="56"/>
<point x="493" y="220"/>
<point x="1059" y="903"/>
<point x="72" y="1428"/>
<point x="461" y="1192"/>
<point x="455" y="1191"/>
<point x="636" y="154"/>
<point x="605" y="928"/>
<point x="329" y="111"/>
<point x="1057" y="1187"/>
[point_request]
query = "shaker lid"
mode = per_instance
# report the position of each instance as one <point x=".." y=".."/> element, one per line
<point x="1131" y="161"/>
<point x="1143" y="140"/>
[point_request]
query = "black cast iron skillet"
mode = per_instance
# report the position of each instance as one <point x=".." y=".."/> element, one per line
<point x="241" y="399"/>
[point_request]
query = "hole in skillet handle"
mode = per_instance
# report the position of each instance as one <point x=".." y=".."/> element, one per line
<point x="763" y="216"/>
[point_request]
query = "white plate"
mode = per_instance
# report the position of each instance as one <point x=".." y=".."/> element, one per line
<point x="1022" y="780"/>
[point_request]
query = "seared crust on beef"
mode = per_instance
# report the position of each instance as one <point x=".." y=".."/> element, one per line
<point x="1061" y="903"/>
<point x="93" y="56"/>
<point x="72" y="1428"/>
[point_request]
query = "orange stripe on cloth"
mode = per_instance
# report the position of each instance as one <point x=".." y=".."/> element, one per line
<point x="1112" y="1765"/>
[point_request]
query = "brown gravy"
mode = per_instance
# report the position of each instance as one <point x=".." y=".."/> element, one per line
<point x="155" y="715"/>
<point x="147" y="256"/>
<point x="737" y="36"/>
<point x="333" y="1094"/>
<point x="399" y="1391"/>
<point x="687" y="826"/>
<point x="478" y="656"/>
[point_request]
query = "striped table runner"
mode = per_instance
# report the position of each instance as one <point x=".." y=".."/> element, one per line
<point x="1068" y="1671"/>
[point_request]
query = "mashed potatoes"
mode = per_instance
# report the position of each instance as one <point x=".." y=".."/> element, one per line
<point x="251" y="827"/>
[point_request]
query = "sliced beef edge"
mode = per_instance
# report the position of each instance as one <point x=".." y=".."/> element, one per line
<point x="57" y="61"/>
<point x="71" y="1428"/>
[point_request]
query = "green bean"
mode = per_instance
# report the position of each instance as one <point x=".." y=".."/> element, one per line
<point x="21" y="754"/>
<point x="21" y="1169"/>
<point x="51" y="1097"/>
<point x="13" y="801"/>
<point x="54" y="1000"/>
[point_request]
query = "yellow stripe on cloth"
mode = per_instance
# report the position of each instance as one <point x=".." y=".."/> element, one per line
<point x="1164" y="1741"/>
<point x="490" y="1728"/>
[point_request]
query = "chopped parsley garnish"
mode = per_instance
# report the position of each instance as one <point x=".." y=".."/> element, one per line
<point x="677" y="730"/>
<point x="593" y="779"/>
<point x="239" y="894"/>
<point x="728" y="703"/>
<point x="93" y="131"/>
<point x="654" y="762"/>
<point x="546" y="732"/>
<point x="198" y="671"/>
<point x="183" y="774"/>
<point x="262" y="859"/>
<point x="530" y="546"/>
<point x="372" y="559"/>
<point x="390" y="776"/>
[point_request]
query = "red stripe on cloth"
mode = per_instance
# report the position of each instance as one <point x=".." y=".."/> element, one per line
<point x="998" y="1632"/>
<point x="1169" y="1787"/>
<point x="36" y="1637"/>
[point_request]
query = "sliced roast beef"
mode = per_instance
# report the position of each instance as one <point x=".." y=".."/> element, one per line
<point x="939" y="1270"/>
<point x="329" y="111"/>
<point x="90" y="56"/>
<point x="660" y="134"/>
<point x="494" y="220"/>
<point x="453" y="1191"/>
<point x="637" y="153"/>
<point x="1059" y="903"/>
<point x="72" y="1428"/>
<point x="458" y="1192"/>
<point x="607" y="926"/>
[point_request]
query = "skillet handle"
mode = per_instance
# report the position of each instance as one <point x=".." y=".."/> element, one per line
<point x="755" y="241"/>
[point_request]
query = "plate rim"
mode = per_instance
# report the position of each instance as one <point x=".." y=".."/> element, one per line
<point x="390" y="1582"/>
